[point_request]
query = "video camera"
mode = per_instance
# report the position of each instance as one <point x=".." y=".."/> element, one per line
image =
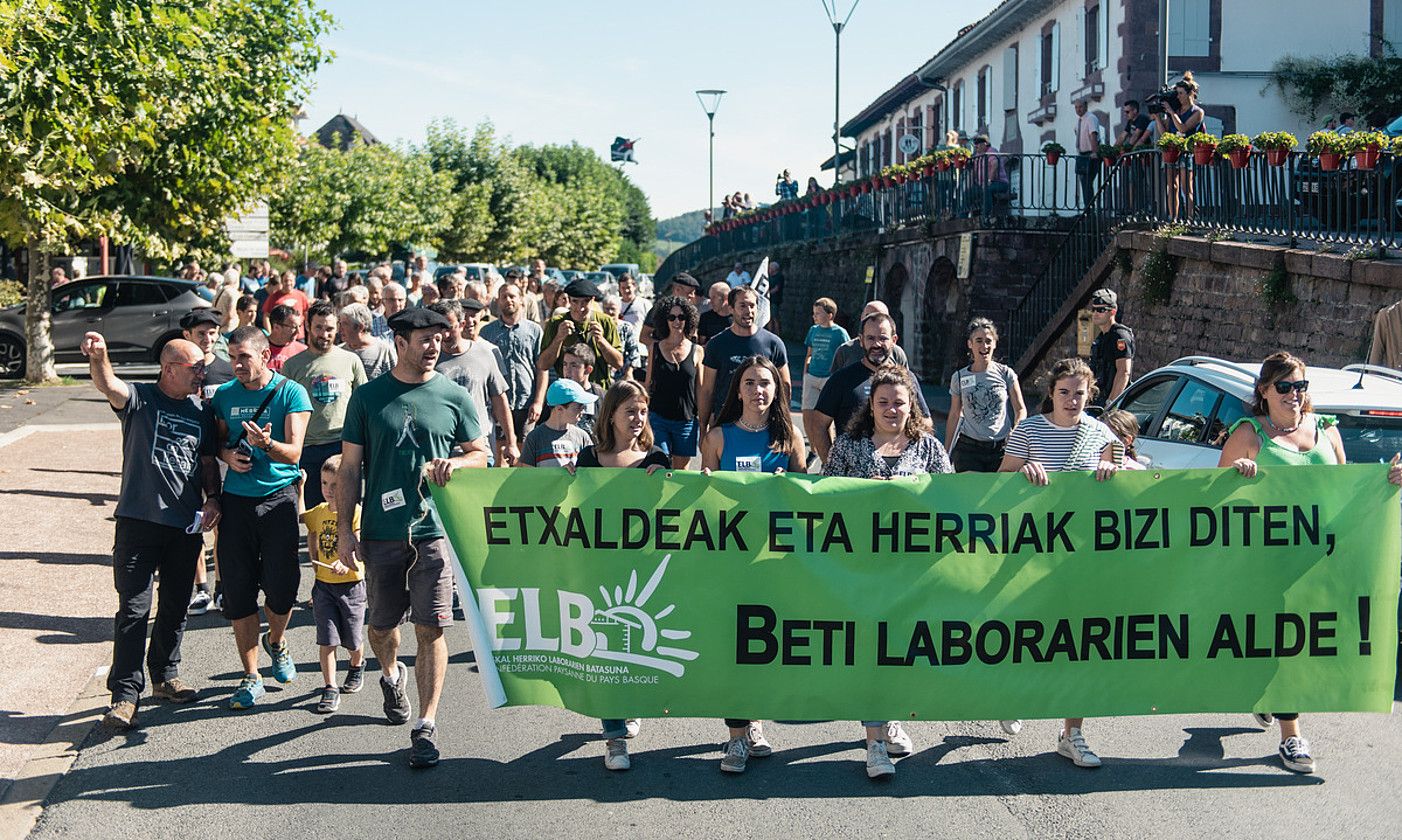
<point x="1160" y="101"/>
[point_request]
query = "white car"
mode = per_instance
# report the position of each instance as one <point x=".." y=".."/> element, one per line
<point x="1186" y="408"/>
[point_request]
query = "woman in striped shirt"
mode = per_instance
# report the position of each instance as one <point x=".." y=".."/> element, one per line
<point x="1060" y="439"/>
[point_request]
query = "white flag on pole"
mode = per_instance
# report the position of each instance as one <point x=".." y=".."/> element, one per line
<point x="760" y="284"/>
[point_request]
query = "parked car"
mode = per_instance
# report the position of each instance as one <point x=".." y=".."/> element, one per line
<point x="137" y="315"/>
<point x="1186" y="408"/>
<point x="619" y="269"/>
<point x="475" y="271"/>
<point x="605" y="281"/>
<point x="570" y="275"/>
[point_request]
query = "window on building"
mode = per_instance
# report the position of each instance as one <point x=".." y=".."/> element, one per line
<point x="1096" y="35"/>
<point x="1190" y="27"/>
<point x="1010" y="78"/>
<point x="956" y="107"/>
<point x="1392" y="26"/>
<point x="1051" y="59"/>
<point x="985" y="96"/>
<point x="935" y="136"/>
<point x="916" y="126"/>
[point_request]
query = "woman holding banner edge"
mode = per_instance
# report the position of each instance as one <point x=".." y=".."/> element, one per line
<point x="752" y="433"/>
<point x="623" y="438"/>
<point x="890" y="437"/>
<point x="1283" y="430"/>
<point x="1063" y="438"/>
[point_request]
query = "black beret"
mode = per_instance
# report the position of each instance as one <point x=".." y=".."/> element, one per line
<point x="195" y="317"/>
<point x="582" y="287"/>
<point x="408" y="320"/>
<point x="683" y="279"/>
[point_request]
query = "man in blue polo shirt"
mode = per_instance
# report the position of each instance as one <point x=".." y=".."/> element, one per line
<point x="262" y="419"/>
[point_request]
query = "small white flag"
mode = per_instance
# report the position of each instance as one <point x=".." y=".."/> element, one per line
<point x="760" y="284"/>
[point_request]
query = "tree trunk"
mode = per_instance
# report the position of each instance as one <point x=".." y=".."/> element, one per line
<point x="38" y="319"/>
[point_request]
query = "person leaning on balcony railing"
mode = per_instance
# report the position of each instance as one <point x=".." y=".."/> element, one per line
<point x="1184" y="118"/>
<point x="988" y="175"/>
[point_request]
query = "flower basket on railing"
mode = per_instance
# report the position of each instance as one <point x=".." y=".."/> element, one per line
<point x="959" y="156"/>
<point x="1172" y="146"/>
<point x="1204" y="147"/>
<point x="1330" y="147"/>
<point x="1053" y="151"/>
<point x="1367" y="147"/>
<point x="1109" y="154"/>
<point x="1277" y="146"/>
<point x="1237" y="149"/>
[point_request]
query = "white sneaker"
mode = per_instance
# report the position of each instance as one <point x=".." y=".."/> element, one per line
<point x="1073" y="745"/>
<point x="199" y="603"/>
<point x="878" y="762"/>
<point x="758" y="745"/>
<point x="1295" y="755"/>
<point x="616" y="754"/>
<point x="1012" y="727"/>
<point x="1263" y="721"/>
<point x="632" y="726"/>
<point x="737" y="752"/>
<point x="897" y="742"/>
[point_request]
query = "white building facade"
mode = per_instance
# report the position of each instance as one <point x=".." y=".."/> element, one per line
<point x="1015" y="74"/>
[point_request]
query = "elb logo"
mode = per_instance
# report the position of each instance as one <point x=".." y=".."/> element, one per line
<point x="623" y="629"/>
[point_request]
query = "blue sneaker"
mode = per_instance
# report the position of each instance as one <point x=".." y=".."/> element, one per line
<point x="249" y="690"/>
<point x="283" y="669"/>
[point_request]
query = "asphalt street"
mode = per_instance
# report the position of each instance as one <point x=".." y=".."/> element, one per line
<point x="281" y="770"/>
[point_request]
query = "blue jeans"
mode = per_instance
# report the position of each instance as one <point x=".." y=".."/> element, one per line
<point x="614" y="727"/>
<point x="675" y="437"/>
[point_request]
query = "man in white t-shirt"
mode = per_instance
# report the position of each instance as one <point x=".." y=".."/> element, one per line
<point x="738" y="276"/>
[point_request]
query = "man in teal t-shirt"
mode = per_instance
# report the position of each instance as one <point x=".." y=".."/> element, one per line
<point x="262" y="419"/>
<point x="396" y="426"/>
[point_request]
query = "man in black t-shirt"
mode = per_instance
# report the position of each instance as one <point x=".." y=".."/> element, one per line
<point x="200" y="327"/>
<point x="170" y="493"/>
<point x="848" y="389"/>
<point x="728" y="349"/>
<point x="1112" y="351"/>
<point x="1135" y="133"/>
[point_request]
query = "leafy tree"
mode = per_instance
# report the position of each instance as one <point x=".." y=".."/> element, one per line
<point x="1358" y="83"/>
<point x="150" y="122"/>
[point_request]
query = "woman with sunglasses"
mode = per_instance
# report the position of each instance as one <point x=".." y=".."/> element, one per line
<point x="674" y="374"/>
<point x="1283" y="430"/>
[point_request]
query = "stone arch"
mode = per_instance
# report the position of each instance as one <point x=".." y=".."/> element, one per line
<point x="896" y="292"/>
<point x="941" y="344"/>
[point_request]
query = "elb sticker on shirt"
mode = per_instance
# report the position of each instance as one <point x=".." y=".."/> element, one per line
<point x="967" y="382"/>
<point x="564" y="451"/>
<point x="327" y="389"/>
<point x="748" y="463"/>
<point x="392" y="499"/>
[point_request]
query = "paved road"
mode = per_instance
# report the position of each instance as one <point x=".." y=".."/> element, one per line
<point x="203" y="771"/>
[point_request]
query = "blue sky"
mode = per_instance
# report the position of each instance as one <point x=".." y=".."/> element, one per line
<point x="555" y="72"/>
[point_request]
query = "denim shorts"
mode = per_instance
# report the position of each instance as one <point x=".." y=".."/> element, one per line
<point x="675" y="437"/>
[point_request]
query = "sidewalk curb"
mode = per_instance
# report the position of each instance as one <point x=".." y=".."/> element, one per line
<point x="23" y="803"/>
<point x="25" y="431"/>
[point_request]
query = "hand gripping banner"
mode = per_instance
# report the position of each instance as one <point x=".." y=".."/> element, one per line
<point x="968" y="597"/>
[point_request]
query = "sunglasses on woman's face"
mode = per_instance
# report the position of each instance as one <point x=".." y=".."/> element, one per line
<point x="677" y="316"/>
<point x="1285" y="386"/>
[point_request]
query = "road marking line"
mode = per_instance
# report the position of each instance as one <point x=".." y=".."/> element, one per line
<point x="25" y="431"/>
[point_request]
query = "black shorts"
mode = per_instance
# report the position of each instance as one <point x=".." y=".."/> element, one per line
<point x="258" y="550"/>
<point x="977" y="455"/>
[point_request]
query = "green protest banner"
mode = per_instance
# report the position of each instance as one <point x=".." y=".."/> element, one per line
<point x="618" y="594"/>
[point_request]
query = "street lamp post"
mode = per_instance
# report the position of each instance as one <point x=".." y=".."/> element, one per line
<point x="838" y="24"/>
<point x="710" y="101"/>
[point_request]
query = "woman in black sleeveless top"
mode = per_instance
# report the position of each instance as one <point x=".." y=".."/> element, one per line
<point x="673" y="377"/>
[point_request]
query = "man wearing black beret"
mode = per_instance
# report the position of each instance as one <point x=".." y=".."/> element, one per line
<point x="398" y="427"/>
<point x="582" y="323"/>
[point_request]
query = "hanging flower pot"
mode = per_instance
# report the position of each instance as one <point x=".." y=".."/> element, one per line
<point x="960" y="161"/>
<point x="943" y="165"/>
<point x="1240" y="157"/>
<point x="900" y="178"/>
<point x="1367" y="157"/>
<point x="1171" y="155"/>
<point x="1330" y="161"/>
<point x="929" y="170"/>
<point x="865" y="187"/>
<point x="1277" y="157"/>
<point x="1203" y="153"/>
<point x="1053" y="158"/>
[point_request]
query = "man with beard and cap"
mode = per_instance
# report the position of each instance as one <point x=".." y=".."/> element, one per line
<point x="170" y="491"/>
<point x="330" y="374"/>
<point x="582" y="322"/>
<point x="848" y="389"/>
<point x="476" y="364"/>
<point x="400" y="426"/>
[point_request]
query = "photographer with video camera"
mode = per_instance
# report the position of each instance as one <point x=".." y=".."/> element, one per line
<point x="1177" y="112"/>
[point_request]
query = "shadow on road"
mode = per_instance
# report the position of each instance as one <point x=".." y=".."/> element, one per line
<point x="58" y="558"/>
<point x="687" y="773"/>
<point x="94" y="499"/>
<point x="69" y="630"/>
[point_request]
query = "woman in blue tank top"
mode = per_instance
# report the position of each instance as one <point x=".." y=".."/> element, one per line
<point x="753" y="433"/>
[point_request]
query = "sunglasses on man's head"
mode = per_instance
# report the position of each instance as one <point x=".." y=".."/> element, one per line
<point x="1285" y="386"/>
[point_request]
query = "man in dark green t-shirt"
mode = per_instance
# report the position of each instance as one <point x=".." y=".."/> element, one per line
<point x="398" y="427"/>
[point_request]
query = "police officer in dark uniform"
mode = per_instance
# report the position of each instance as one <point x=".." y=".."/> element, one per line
<point x="1112" y="351"/>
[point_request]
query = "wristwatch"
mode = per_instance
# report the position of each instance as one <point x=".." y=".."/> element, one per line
<point x="267" y="447"/>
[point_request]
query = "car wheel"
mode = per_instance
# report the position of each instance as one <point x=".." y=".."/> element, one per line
<point x="12" y="356"/>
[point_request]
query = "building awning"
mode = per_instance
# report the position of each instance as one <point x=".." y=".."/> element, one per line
<point x="848" y="155"/>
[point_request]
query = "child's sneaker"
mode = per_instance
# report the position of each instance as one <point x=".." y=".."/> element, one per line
<point x="355" y="678"/>
<point x="330" y="700"/>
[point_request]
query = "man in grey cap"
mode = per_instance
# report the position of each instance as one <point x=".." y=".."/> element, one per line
<point x="399" y="427"/>
<point x="584" y="322"/>
<point x="1112" y="351"/>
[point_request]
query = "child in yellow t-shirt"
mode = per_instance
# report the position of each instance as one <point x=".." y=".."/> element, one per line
<point x="338" y="595"/>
